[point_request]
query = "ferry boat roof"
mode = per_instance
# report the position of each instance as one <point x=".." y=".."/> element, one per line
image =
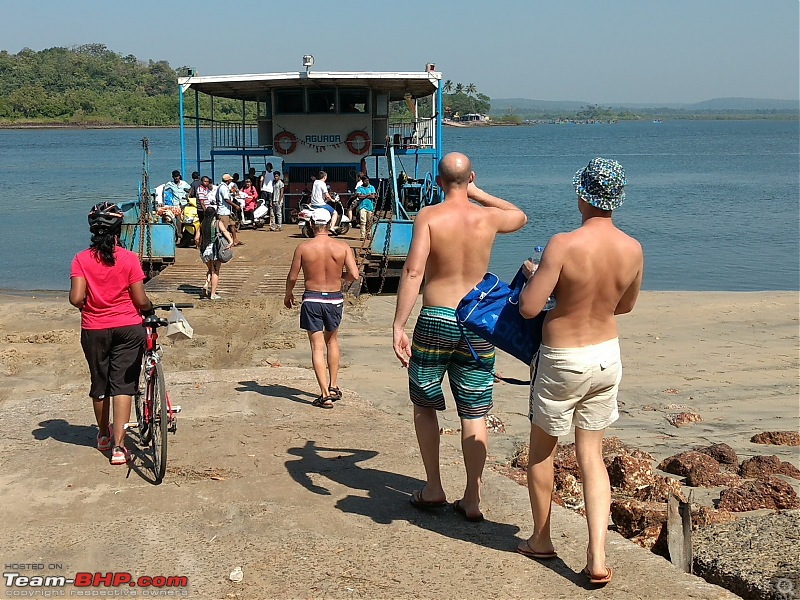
<point x="253" y="87"/>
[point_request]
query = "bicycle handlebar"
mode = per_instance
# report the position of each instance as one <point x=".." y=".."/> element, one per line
<point x="170" y="305"/>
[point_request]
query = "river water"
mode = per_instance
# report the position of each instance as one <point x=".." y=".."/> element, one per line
<point x="714" y="203"/>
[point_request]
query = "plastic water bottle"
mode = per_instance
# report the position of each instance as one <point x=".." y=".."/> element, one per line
<point x="536" y="259"/>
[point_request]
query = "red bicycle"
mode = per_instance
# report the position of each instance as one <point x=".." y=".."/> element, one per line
<point x="155" y="414"/>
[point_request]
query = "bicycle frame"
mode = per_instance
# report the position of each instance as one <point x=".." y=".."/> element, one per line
<point x="152" y="357"/>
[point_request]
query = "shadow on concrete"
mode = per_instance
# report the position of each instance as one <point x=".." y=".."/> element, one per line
<point x="388" y="495"/>
<point x="277" y="391"/>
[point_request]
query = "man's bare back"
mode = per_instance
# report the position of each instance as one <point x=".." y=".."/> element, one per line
<point x="595" y="272"/>
<point x="600" y="267"/>
<point x="322" y="260"/>
<point x="461" y="240"/>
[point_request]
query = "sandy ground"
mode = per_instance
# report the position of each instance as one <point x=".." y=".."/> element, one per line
<point x="313" y="503"/>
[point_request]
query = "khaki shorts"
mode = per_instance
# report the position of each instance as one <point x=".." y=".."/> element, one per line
<point x="576" y="386"/>
<point x="230" y="222"/>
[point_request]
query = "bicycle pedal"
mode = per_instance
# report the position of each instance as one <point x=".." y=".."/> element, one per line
<point x="132" y="425"/>
<point x="176" y="409"/>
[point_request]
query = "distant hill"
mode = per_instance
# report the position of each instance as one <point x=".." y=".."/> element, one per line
<point x="746" y="104"/>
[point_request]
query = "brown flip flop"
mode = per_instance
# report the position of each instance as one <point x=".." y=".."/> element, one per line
<point x="526" y="550"/>
<point x="599" y="580"/>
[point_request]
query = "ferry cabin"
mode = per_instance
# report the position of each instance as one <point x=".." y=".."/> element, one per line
<point x="307" y="121"/>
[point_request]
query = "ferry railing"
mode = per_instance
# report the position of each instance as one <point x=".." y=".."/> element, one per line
<point x="234" y="134"/>
<point x="413" y="134"/>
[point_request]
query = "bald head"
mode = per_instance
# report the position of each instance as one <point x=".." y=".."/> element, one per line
<point x="455" y="169"/>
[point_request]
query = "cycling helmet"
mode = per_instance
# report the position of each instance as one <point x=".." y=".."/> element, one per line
<point x="104" y="216"/>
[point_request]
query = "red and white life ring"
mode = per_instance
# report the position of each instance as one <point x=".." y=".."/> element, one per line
<point x="358" y="142"/>
<point x="285" y="143"/>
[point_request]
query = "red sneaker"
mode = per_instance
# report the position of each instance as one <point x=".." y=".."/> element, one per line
<point x="120" y="455"/>
<point x="104" y="442"/>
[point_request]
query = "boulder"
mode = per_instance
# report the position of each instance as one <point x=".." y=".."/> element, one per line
<point x="630" y="474"/>
<point x="683" y="418"/>
<point x="660" y="490"/>
<point x="613" y="446"/>
<point x="777" y="438"/>
<point x="519" y="459"/>
<point x="681" y="464"/>
<point x="566" y="461"/>
<point x="569" y="490"/>
<point x="654" y="539"/>
<point x="635" y="517"/>
<point x="722" y="453"/>
<point x="764" y="466"/>
<point x="701" y="477"/>
<point x="494" y="424"/>
<point x="769" y="492"/>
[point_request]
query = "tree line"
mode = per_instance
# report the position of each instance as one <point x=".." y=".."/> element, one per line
<point x="86" y="84"/>
<point x="92" y="85"/>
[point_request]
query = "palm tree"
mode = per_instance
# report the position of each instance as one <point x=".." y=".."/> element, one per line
<point x="470" y="89"/>
<point x="459" y="88"/>
<point x="448" y="86"/>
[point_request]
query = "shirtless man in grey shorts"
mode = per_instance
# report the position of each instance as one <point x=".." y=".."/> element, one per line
<point x="322" y="260"/>
<point x="595" y="273"/>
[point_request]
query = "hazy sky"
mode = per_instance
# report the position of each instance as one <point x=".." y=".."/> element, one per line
<point x="600" y="51"/>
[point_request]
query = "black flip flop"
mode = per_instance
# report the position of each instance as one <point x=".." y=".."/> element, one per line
<point x="417" y="501"/>
<point x="462" y="511"/>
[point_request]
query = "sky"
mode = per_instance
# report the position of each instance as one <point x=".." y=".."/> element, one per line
<point x="598" y="51"/>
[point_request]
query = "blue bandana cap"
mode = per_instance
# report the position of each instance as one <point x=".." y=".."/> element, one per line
<point x="601" y="183"/>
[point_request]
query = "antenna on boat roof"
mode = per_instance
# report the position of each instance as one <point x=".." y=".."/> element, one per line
<point x="308" y="61"/>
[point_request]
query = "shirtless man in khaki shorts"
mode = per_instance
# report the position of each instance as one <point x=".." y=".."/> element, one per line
<point x="595" y="273"/>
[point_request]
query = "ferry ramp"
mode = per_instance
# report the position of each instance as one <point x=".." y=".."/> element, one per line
<point x="258" y="267"/>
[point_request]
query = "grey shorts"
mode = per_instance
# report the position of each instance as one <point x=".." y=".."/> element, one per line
<point x="576" y="386"/>
<point x="321" y="311"/>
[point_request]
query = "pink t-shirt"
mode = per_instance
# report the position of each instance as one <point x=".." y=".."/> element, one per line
<point x="108" y="299"/>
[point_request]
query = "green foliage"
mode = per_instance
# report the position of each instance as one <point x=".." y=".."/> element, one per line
<point x="86" y="84"/>
<point x="460" y="99"/>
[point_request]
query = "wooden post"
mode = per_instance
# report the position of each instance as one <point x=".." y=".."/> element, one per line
<point x="679" y="533"/>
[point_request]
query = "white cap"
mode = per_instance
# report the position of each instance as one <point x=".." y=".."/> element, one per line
<point x="321" y="216"/>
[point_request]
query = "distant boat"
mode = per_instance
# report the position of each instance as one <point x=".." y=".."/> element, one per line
<point x="658" y="121"/>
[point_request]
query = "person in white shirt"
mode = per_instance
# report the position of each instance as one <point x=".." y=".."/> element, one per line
<point x="321" y="198"/>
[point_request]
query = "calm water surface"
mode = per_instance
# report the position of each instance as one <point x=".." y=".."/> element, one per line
<point x="714" y="203"/>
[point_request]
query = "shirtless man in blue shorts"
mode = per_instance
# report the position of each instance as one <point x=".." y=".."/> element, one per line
<point x="450" y="249"/>
<point x="595" y="273"/>
<point x="322" y="260"/>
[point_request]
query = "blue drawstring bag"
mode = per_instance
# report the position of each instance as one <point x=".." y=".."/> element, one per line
<point x="491" y="311"/>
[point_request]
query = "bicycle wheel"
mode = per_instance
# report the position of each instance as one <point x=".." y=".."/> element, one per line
<point x="158" y="424"/>
<point x="139" y="401"/>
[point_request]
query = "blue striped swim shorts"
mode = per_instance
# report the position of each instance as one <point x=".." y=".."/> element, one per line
<point x="439" y="347"/>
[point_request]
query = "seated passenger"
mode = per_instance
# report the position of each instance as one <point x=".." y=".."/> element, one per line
<point x="249" y="194"/>
<point x="173" y="197"/>
<point x="175" y="191"/>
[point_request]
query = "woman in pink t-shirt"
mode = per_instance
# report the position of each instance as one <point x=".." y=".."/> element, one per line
<point x="108" y="288"/>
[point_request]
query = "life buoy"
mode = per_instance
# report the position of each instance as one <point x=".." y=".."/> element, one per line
<point x="285" y="143"/>
<point x="358" y="142"/>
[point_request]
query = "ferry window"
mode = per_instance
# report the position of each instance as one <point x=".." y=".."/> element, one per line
<point x="353" y="101"/>
<point x="289" y="101"/>
<point x="322" y="101"/>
